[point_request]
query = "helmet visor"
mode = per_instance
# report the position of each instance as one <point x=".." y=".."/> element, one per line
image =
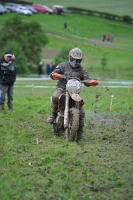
<point x="77" y="61"/>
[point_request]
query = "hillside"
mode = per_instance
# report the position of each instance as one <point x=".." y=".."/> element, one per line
<point x="116" y="7"/>
<point x="88" y="37"/>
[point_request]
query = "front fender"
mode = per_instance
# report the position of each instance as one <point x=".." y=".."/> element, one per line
<point x="76" y="97"/>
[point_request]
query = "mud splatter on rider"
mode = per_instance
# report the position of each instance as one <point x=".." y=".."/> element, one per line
<point x="70" y="68"/>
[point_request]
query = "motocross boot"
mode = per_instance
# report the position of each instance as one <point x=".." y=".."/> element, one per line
<point x="2" y="107"/>
<point x="52" y="115"/>
<point x="10" y="107"/>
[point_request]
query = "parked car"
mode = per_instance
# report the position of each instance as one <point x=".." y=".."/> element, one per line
<point x="3" y="9"/>
<point x="12" y="6"/>
<point x="59" y="10"/>
<point x="32" y="9"/>
<point x="23" y="10"/>
<point x="42" y="8"/>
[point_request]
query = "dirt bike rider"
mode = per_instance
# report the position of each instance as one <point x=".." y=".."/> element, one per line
<point x="71" y="68"/>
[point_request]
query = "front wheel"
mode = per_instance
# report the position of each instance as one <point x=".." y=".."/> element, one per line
<point x="71" y="132"/>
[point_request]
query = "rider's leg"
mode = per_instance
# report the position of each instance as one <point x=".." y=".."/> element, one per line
<point x="10" y="97"/>
<point x="3" y="92"/>
<point x="54" y="105"/>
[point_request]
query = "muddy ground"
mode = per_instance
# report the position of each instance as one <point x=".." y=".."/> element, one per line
<point x="107" y="126"/>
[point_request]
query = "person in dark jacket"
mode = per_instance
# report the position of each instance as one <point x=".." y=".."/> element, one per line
<point x="48" y="69"/>
<point x="71" y="68"/>
<point x="53" y="67"/>
<point x="39" y="69"/>
<point x="7" y="79"/>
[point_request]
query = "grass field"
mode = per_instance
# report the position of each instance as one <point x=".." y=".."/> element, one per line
<point x="37" y="165"/>
<point x="34" y="164"/>
<point x="90" y="30"/>
<point x="117" y="7"/>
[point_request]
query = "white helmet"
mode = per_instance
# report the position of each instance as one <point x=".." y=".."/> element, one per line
<point x="75" y="57"/>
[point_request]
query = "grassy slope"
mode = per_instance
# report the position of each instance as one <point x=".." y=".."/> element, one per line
<point x="54" y="169"/>
<point x="99" y="167"/>
<point x="89" y="39"/>
<point x="117" y="7"/>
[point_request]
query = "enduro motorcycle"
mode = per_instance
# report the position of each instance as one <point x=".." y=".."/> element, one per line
<point x="66" y="122"/>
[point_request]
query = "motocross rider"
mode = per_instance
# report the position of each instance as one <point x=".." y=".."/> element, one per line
<point x="70" y="68"/>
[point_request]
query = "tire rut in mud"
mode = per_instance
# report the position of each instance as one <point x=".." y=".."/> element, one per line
<point x="117" y="128"/>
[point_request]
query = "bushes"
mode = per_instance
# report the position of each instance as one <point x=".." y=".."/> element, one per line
<point x="18" y="1"/>
<point x="126" y="18"/>
<point x="25" y="40"/>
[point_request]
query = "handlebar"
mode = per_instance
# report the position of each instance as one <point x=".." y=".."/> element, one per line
<point x="88" y="83"/>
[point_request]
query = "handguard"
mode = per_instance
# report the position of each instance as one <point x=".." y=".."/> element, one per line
<point x="56" y="76"/>
<point x="89" y="83"/>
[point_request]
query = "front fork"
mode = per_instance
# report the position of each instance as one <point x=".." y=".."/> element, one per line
<point x="66" y="110"/>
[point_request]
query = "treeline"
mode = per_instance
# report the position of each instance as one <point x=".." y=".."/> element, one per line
<point x="125" y="18"/>
<point x="25" y="40"/>
<point x="16" y="1"/>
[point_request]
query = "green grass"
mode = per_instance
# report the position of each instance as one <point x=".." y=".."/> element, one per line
<point x="89" y="38"/>
<point x="117" y="7"/>
<point x="34" y="164"/>
<point x="98" y="168"/>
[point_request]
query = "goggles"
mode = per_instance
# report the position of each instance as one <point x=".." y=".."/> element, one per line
<point x="77" y="61"/>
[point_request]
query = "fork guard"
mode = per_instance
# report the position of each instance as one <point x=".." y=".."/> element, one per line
<point x="76" y="97"/>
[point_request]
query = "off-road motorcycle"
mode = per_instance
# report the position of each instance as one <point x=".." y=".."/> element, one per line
<point x="66" y="122"/>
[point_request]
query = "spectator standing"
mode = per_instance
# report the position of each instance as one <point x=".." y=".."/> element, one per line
<point x="65" y="25"/>
<point x="7" y="79"/>
<point x="74" y="30"/>
<point x="108" y="38"/>
<point x="48" y="70"/>
<point x="104" y="38"/>
<point x="53" y="67"/>
<point x="111" y="39"/>
<point x="39" y="69"/>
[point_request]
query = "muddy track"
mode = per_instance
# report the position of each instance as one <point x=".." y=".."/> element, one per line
<point x="116" y="125"/>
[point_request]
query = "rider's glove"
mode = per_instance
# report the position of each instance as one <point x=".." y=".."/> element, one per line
<point x="56" y="76"/>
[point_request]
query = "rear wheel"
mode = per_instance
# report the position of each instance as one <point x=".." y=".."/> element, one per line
<point x="57" y="126"/>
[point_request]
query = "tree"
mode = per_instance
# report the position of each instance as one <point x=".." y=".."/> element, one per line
<point x="127" y="19"/>
<point x="29" y="36"/>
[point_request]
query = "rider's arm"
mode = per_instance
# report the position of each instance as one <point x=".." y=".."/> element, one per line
<point x="85" y="75"/>
<point x="58" y="70"/>
<point x="89" y="81"/>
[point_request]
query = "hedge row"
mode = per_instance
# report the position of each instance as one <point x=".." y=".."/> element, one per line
<point x="16" y="1"/>
<point x="125" y="18"/>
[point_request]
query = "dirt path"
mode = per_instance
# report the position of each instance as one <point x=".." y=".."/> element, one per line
<point x="95" y="42"/>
